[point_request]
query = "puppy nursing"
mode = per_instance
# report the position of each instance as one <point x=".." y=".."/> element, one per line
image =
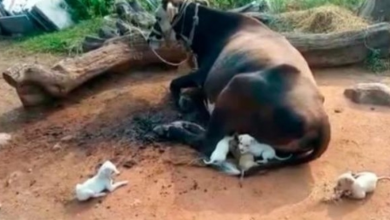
<point x="249" y="144"/>
<point x="244" y="149"/>
<point x="103" y="180"/>
<point x="356" y="185"/>
<point x="221" y="151"/>
<point x="245" y="160"/>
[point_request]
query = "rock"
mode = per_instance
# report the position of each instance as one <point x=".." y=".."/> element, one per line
<point x="89" y="46"/>
<point x="369" y="93"/>
<point x="12" y="178"/>
<point x="67" y="138"/>
<point x="4" y="138"/>
<point x="57" y="147"/>
<point x="129" y="164"/>
<point x="107" y="32"/>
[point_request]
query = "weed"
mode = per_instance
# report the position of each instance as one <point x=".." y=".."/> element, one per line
<point x="59" y="42"/>
<point x="88" y="9"/>
<point x="374" y="63"/>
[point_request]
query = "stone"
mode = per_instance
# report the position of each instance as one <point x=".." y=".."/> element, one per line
<point x="4" y="138"/>
<point x="57" y="147"/>
<point x="369" y="93"/>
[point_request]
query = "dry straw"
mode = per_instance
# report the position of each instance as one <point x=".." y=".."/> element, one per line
<point x="324" y="19"/>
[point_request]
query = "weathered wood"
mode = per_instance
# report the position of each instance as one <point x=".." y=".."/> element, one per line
<point x="37" y="84"/>
<point x="339" y="49"/>
<point x="375" y="10"/>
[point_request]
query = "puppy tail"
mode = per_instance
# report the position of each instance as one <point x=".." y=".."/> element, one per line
<point x="384" y="177"/>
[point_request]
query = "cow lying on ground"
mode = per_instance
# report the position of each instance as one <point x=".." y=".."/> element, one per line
<point x="253" y="81"/>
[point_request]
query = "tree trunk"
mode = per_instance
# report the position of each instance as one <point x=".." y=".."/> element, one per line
<point x="36" y="84"/>
<point x="375" y="10"/>
<point x="339" y="49"/>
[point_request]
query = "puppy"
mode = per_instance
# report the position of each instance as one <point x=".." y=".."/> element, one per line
<point x="221" y="151"/>
<point x="103" y="180"/>
<point x="248" y="144"/>
<point x="245" y="160"/>
<point x="356" y="186"/>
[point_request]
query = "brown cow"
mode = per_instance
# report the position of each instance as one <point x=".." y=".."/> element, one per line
<point x="253" y="80"/>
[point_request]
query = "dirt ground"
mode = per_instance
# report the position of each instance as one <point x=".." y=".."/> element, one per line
<point x="37" y="180"/>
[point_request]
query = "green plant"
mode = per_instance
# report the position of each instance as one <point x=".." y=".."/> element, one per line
<point x="87" y="9"/>
<point x="61" y="41"/>
<point x="374" y="62"/>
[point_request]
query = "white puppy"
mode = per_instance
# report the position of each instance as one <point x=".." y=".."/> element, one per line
<point x="357" y="185"/>
<point x="221" y="151"/>
<point x="249" y="144"/>
<point x="94" y="187"/>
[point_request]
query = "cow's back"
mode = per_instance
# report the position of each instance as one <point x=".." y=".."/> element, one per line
<point x="253" y="48"/>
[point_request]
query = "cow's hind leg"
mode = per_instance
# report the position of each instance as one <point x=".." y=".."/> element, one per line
<point x="191" y="80"/>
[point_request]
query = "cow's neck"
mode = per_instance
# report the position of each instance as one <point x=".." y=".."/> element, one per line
<point x="211" y="31"/>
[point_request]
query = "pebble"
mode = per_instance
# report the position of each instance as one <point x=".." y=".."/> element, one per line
<point x="57" y="147"/>
<point x="4" y="138"/>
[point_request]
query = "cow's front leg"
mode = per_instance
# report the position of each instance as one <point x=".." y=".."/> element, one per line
<point x="183" y="102"/>
<point x="182" y="131"/>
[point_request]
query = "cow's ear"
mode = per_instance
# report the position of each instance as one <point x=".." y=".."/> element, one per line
<point x="172" y="10"/>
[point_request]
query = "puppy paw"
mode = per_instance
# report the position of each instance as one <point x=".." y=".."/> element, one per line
<point x="186" y="104"/>
<point x="125" y="182"/>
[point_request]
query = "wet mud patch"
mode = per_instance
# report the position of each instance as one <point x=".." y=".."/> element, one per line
<point x="136" y="125"/>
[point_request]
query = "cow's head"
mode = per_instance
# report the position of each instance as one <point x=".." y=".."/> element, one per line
<point x="167" y="15"/>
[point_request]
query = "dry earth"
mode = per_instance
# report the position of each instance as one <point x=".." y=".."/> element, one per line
<point x="37" y="179"/>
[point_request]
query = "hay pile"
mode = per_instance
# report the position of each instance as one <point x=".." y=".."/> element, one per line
<point x="324" y="19"/>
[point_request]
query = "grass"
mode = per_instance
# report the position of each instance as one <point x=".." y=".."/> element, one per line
<point x="92" y="11"/>
<point x="375" y="63"/>
<point x="59" y="42"/>
<point x="88" y="9"/>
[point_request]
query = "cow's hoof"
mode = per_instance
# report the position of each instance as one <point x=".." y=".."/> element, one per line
<point x="186" y="104"/>
<point x="161" y="130"/>
<point x="172" y="130"/>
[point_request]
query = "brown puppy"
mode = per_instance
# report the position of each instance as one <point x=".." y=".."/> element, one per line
<point x="245" y="161"/>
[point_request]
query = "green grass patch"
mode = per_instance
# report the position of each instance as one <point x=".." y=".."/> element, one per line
<point x="88" y="9"/>
<point x="375" y="63"/>
<point x="61" y="41"/>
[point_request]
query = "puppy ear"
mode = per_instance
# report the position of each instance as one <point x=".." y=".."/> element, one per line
<point x="171" y="11"/>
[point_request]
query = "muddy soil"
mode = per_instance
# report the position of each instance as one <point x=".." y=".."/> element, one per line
<point x="110" y="118"/>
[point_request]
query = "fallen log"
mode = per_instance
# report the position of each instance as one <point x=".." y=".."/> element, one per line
<point x="36" y="84"/>
<point x="340" y="49"/>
